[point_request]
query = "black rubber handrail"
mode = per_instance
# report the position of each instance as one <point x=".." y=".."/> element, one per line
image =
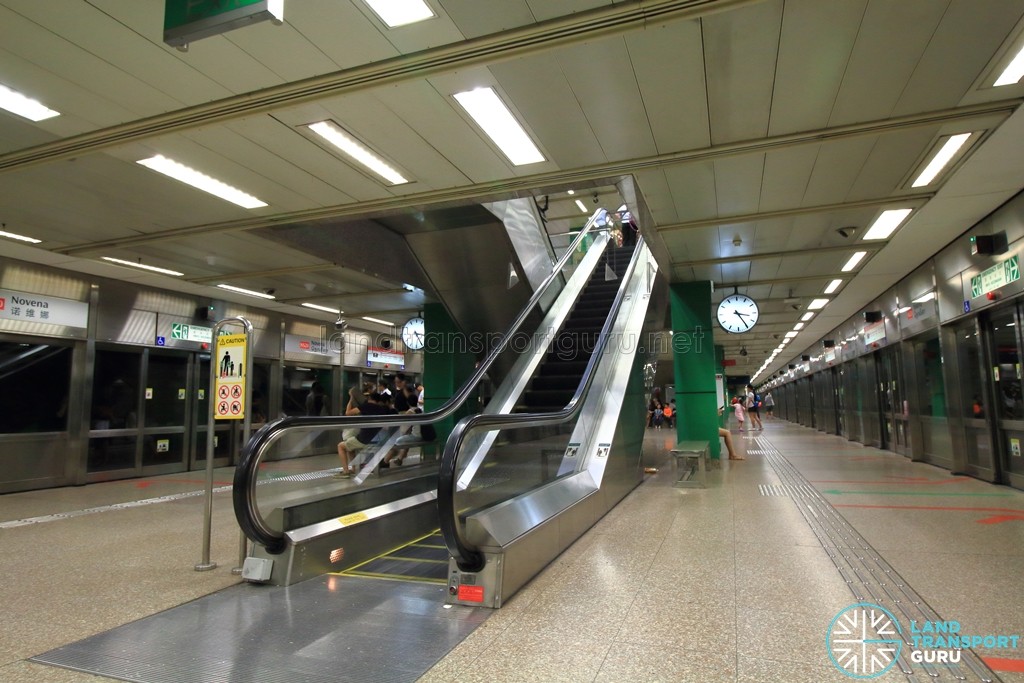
<point x="244" y="490"/>
<point x="467" y="557"/>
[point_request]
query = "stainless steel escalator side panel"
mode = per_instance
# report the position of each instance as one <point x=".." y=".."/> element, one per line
<point x="595" y="431"/>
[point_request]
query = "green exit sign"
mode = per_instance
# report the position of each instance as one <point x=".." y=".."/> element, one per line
<point x="187" y="21"/>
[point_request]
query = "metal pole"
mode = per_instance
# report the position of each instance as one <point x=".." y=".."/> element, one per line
<point x="243" y="545"/>
<point x="206" y="564"/>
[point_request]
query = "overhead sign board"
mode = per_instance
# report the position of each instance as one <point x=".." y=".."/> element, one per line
<point x="36" y="308"/>
<point x="186" y="21"/>
<point x="377" y="357"/>
<point x="995" y="277"/>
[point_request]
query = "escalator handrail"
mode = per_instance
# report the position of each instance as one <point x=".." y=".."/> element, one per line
<point x="469" y="558"/>
<point x="244" y="489"/>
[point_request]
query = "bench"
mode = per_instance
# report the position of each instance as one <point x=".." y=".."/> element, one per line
<point x="691" y="476"/>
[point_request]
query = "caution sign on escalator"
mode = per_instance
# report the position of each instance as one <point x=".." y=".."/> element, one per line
<point x="230" y="379"/>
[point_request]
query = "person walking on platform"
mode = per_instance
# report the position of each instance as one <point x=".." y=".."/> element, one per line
<point x="737" y="406"/>
<point x="753" y="406"/>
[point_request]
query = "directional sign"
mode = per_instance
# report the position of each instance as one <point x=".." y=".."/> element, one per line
<point x="196" y="333"/>
<point x="997" y="276"/>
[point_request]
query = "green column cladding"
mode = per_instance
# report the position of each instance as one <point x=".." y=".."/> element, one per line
<point x="693" y="350"/>
<point x="447" y="363"/>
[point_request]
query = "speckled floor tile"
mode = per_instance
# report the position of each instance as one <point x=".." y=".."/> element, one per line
<point x="655" y="663"/>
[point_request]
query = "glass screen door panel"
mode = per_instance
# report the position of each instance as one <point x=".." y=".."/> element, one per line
<point x="166" y="403"/>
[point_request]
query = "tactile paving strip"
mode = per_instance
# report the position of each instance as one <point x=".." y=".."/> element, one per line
<point x="869" y="577"/>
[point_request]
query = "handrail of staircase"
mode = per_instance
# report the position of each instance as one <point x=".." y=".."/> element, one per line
<point x="244" y="490"/>
<point x="468" y="557"/>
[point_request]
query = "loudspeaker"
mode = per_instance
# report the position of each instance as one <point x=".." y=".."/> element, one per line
<point x="828" y="343"/>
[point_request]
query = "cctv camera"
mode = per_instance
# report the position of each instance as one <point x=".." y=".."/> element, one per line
<point x="596" y="199"/>
<point x="269" y="291"/>
<point x="743" y="351"/>
<point x="341" y="324"/>
<point x="846" y="232"/>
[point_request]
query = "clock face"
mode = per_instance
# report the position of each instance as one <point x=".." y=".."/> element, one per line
<point x="413" y="333"/>
<point x="737" y="313"/>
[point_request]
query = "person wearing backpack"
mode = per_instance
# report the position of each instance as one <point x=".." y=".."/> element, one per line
<point x="753" y="407"/>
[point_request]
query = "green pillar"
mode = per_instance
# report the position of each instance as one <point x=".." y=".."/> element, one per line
<point x="693" y="350"/>
<point x="447" y="363"/>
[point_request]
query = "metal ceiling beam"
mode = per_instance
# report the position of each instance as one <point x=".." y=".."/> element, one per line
<point x="512" y="187"/>
<point x="263" y="273"/>
<point x="348" y="295"/>
<point x="918" y="198"/>
<point x="792" y="253"/>
<point x="494" y="48"/>
<point x="778" y="280"/>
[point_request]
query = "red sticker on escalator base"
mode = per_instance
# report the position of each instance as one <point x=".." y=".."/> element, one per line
<point x="471" y="593"/>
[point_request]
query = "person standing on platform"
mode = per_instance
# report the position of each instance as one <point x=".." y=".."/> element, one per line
<point x="769" y="405"/>
<point x="316" y="400"/>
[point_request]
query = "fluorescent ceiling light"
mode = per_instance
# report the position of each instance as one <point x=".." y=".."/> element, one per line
<point x="379" y="321"/>
<point x="20" y="238"/>
<point x="400" y="12"/>
<point x="833" y="286"/>
<point x="807" y="316"/>
<point x="122" y="262"/>
<point x="572" y="192"/>
<point x="798" y="326"/>
<point x="925" y="297"/>
<point x="582" y="206"/>
<point x="791" y="334"/>
<point x="247" y="292"/>
<point x="201" y="181"/>
<point x="323" y="308"/>
<point x="1013" y="72"/>
<point x="941" y="159"/>
<point x="491" y="114"/>
<point x="16" y="103"/>
<point x="886" y="224"/>
<point x="356" y="151"/>
<point x="816" y="304"/>
<point x="854" y="260"/>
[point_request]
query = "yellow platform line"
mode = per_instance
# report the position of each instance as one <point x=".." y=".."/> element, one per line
<point x="390" y="577"/>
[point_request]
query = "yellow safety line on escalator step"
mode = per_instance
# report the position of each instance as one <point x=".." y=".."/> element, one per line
<point x="391" y="577"/>
<point x="386" y="554"/>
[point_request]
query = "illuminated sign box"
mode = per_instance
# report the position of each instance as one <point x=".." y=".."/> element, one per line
<point x="186" y="21"/>
<point x="377" y="357"/>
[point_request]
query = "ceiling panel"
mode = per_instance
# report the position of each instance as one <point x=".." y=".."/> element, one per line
<point x="675" y="99"/>
<point x="740" y="51"/>
<point x="602" y="80"/>
<point x="888" y="48"/>
<point x="693" y="190"/>
<point x="322" y="22"/>
<point x="553" y="111"/>
<point x="835" y="169"/>
<point x="786" y="174"/>
<point x="817" y="38"/>
<point x="958" y="50"/>
<point x="738" y="184"/>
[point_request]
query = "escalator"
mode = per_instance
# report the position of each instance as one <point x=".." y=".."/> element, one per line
<point x="559" y="374"/>
<point x="390" y="531"/>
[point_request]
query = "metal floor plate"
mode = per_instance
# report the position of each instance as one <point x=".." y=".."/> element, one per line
<point x="335" y="629"/>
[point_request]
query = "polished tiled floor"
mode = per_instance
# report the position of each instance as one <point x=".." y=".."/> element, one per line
<point x="718" y="584"/>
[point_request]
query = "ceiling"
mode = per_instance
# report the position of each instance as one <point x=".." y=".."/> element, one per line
<point x="753" y="131"/>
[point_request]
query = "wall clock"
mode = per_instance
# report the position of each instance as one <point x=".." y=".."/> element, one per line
<point x="737" y="313"/>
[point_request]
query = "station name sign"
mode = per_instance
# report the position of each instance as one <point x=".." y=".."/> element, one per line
<point x="36" y="308"/>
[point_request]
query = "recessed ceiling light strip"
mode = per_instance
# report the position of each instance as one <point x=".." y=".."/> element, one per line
<point x="496" y="120"/>
<point x="24" y="106"/>
<point x="143" y="266"/>
<point x="201" y="181"/>
<point x="247" y="292"/>
<point x="355" y="150"/>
